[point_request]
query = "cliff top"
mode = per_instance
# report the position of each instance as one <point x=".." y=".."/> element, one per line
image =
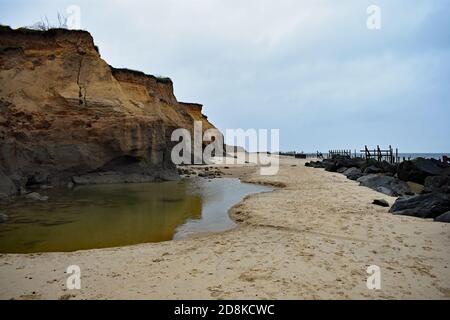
<point x="32" y="39"/>
<point x="136" y="73"/>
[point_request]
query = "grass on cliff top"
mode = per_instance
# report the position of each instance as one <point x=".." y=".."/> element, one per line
<point x="142" y="74"/>
<point x="27" y="30"/>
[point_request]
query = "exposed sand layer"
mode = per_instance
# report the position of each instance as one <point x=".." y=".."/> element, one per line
<point x="312" y="239"/>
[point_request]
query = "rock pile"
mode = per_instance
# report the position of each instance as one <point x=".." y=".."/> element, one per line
<point x="395" y="180"/>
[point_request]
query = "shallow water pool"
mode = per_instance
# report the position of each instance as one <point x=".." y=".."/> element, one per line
<point x="106" y="216"/>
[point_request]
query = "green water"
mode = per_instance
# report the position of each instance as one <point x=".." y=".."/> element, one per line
<point x="118" y="215"/>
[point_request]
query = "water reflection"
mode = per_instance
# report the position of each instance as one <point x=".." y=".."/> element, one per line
<point x="117" y="215"/>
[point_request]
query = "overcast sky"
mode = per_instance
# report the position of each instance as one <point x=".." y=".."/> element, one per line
<point x="309" y="68"/>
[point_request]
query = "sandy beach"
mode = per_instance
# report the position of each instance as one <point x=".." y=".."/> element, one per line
<point x="313" y="237"/>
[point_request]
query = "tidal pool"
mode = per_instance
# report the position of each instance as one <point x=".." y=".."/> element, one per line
<point x="105" y="216"/>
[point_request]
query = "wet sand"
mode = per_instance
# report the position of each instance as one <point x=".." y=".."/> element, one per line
<point x="313" y="237"/>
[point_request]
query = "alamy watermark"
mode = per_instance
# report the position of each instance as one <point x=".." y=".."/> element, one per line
<point x="73" y="20"/>
<point x="207" y="147"/>
<point x="70" y="19"/>
<point x="73" y="282"/>
<point x="374" y="19"/>
<point x="374" y="278"/>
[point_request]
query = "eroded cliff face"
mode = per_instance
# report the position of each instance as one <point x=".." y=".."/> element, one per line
<point x="66" y="115"/>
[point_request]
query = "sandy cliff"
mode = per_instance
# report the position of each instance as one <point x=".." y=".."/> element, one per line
<point x="66" y="115"/>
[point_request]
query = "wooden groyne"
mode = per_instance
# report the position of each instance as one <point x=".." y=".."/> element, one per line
<point x="381" y="155"/>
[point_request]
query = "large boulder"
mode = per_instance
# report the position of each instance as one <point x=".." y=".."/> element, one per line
<point x="385" y="184"/>
<point x="346" y="162"/>
<point x="353" y="173"/>
<point x="419" y="169"/>
<point x="437" y="184"/>
<point x="331" y="167"/>
<point x="373" y="169"/>
<point x="340" y="162"/>
<point x="342" y="170"/>
<point x="388" y="167"/>
<point x="443" y="217"/>
<point x="315" y="164"/>
<point x="429" y="205"/>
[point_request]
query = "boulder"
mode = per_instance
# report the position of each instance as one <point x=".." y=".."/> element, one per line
<point x="319" y="164"/>
<point x="331" y="167"/>
<point x="415" y="187"/>
<point x="315" y="164"/>
<point x="380" y="202"/>
<point x="429" y="205"/>
<point x="443" y="217"/>
<point x="419" y="169"/>
<point x="36" y="197"/>
<point x="353" y="173"/>
<point x="385" y="190"/>
<point x="388" y="167"/>
<point x="373" y="169"/>
<point x="437" y="184"/>
<point x="342" y="170"/>
<point x="388" y="185"/>
<point x="365" y="163"/>
<point x="354" y="162"/>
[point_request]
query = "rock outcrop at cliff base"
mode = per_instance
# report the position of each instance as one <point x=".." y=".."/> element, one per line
<point x="66" y="115"/>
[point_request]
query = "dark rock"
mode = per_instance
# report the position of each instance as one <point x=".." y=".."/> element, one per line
<point x="314" y="164"/>
<point x="373" y="169"/>
<point x="381" y="202"/>
<point x="437" y="184"/>
<point x="388" y="185"/>
<point x="365" y="163"/>
<point x="443" y="217"/>
<point x="354" y="162"/>
<point x="419" y="169"/>
<point x="341" y="164"/>
<point x="342" y="170"/>
<point x="388" y="168"/>
<point x="331" y="167"/>
<point x="353" y="173"/>
<point x="318" y="164"/>
<point x="429" y="205"/>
